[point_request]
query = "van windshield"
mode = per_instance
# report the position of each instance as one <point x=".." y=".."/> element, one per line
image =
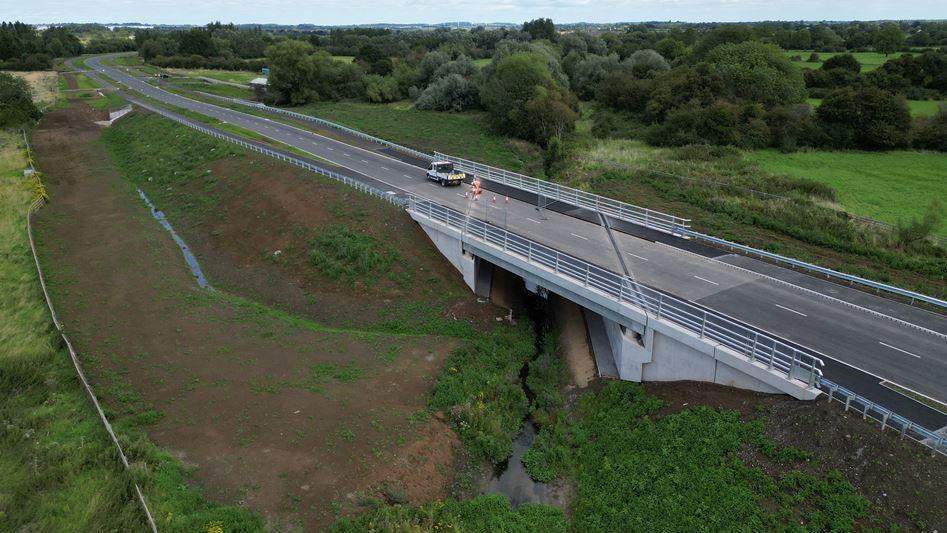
<point x="445" y="167"/>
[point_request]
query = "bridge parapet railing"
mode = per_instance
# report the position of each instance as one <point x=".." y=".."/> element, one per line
<point x="569" y="195"/>
<point x="888" y="418"/>
<point x="758" y="347"/>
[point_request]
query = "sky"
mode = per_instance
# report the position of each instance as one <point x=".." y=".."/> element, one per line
<point x="342" y="12"/>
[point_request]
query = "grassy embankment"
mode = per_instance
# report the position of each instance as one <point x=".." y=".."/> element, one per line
<point x="231" y="76"/>
<point x="479" y="390"/>
<point x="58" y="469"/>
<point x="459" y="134"/>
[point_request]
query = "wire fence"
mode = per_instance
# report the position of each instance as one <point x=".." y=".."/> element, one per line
<point x="75" y="358"/>
<point x="757" y="347"/>
<point x="888" y="418"/>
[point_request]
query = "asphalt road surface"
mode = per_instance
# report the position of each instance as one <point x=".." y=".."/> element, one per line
<point x="869" y="339"/>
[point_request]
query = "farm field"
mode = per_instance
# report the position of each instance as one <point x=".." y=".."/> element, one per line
<point x="919" y="108"/>
<point x="869" y="60"/>
<point x="887" y="186"/>
<point x="43" y="83"/>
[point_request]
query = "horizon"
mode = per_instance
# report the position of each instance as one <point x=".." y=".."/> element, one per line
<point x="513" y="12"/>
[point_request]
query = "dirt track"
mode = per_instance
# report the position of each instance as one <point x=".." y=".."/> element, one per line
<point x="291" y="419"/>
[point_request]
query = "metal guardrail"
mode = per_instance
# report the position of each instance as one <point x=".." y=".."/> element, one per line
<point x="887" y="417"/>
<point x="309" y="118"/>
<point x="553" y="191"/>
<point x="757" y="347"/>
<point x="914" y="296"/>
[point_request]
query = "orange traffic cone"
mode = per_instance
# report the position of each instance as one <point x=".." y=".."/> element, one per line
<point x="466" y="194"/>
<point x="506" y="200"/>
<point x="494" y="200"/>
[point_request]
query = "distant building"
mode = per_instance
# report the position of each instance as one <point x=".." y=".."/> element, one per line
<point x="259" y="82"/>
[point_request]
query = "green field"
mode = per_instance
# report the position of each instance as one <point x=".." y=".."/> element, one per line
<point x="869" y="60"/>
<point x="480" y="63"/>
<point x="344" y="59"/>
<point x="919" y="108"/>
<point x="85" y="82"/>
<point x="461" y="134"/>
<point x="887" y="186"/>
<point x="231" y="76"/>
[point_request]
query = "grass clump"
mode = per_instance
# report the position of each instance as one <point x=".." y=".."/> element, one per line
<point x="480" y="389"/>
<point x="483" y="514"/>
<point x="342" y="253"/>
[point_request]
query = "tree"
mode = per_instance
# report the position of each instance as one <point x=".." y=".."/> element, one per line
<point x="16" y="102"/>
<point x="509" y="86"/>
<point x="381" y="89"/>
<point x="731" y="34"/>
<point x="589" y="72"/>
<point x="551" y="113"/>
<point x="291" y="71"/>
<point x="670" y="48"/>
<point x="932" y="132"/>
<point x="540" y="29"/>
<point x="889" y="39"/>
<point x="645" y="63"/>
<point x="843" y="61"/>
<point x="868" y="118"/>
<point x="758" y="72"/>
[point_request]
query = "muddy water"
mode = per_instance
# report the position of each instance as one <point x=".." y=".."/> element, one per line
<point x="510" y="477"/>
<point x="511" y="480"/>
<point x="188" y="256"/>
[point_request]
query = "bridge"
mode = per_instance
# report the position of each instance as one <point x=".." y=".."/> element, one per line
<point x="662" y="304"/>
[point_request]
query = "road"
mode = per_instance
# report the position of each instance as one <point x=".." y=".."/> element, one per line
<point x="867" y="345"/>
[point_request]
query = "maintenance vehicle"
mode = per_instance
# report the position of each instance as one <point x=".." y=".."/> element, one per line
<point x="443" y="172"/>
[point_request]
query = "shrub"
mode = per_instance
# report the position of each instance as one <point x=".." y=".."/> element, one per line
<point x="450" y="93"/>
<point x="16" y="102"/>
<point x="814" y="58"/>
<point x="931" y="133"/>
<point x="843" y="61"/>
<point x="645" y="63"/>
<point x="866" y="118"/>
<point x="379" y="89"/>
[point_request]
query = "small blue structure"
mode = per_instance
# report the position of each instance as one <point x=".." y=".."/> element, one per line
<point x="265" y="71"/>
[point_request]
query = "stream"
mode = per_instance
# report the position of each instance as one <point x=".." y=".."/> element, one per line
<point x="510" y="478"/>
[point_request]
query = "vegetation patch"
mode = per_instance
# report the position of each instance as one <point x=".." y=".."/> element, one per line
<point x="480" y="389"/>
<point x="688" y="471"/>
<point x="343" y="254"/>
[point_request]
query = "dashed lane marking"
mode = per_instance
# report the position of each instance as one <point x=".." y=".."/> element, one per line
<point x="791" y="310"/>
<point x="638" y="256"/>
<point x="714" y="283"/>
<point x="579" y="236"/>
<point x="898" y="349"/>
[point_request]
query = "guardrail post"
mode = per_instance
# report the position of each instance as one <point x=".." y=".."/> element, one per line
<point x="848" y="403"/>
<point x="811" y="374"/>
<point x="660" y="301"/>
<point x="703" y="325"/>
<point x="884" y="420"/>
<point x="832" y="390"/>
<point x="586" y="274"/>
<point x="865" y="411"/>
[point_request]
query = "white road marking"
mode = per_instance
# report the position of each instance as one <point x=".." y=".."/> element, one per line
<point x="579" y="236"/>
<point x="791" y="310"/>
<point x="713" y="282"/>
<point x="407" y="176"/>
<point x="346" y="155"/>
<point x="363" y="161"/>
<point x="385" y="168"/>
<point x="533" y="220"/>
<point x="461" y="195"/>
<point x="493" y="206"/>
<point x="331" y="149"/>
<point x="638" y="256"/>
<point x="898" y="349"/>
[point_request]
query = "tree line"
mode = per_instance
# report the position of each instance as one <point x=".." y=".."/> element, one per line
<point x="24" y="48"/>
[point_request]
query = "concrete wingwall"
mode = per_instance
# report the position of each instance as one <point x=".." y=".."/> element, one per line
<point x="642" y="347"/>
